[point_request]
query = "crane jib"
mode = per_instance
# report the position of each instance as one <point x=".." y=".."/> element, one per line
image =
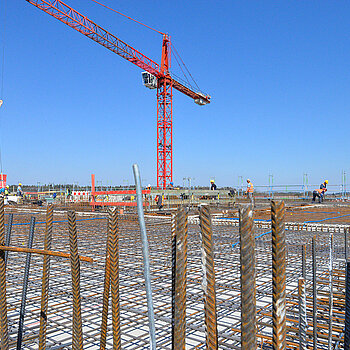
<point x="85" y="26"/>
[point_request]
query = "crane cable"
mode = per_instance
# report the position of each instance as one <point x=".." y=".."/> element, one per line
<point x="119" y="13"/>
<point x="184" y="66"/>
<point x="145" y="25"/>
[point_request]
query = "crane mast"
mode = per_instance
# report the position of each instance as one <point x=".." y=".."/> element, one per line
<point x="165" y="119"/>
<point x="161" y="76"/>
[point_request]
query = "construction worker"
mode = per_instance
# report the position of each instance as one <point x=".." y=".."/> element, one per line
<point x="250" y="190"/>
<point x="19" y="190"/>
<point x="7" y="191"/>
<point x="212" y="185"/>
<point x="2" y="190"/>
<point x="324" y="185"/>
<point x="233" y="194"/>
<point x="159" y="201"/>
<point x="319" y="193"/>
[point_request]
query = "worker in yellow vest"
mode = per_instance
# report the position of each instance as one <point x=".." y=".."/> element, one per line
<point x="250" y="191"/>
<point x="7" y="191"/>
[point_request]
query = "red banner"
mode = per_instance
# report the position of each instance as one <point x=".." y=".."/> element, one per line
<point x="3" y="178"/>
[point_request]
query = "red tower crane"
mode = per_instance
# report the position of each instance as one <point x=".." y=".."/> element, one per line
<point x="155" y="77"/>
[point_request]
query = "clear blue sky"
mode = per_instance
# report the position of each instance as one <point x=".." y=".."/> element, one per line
<point x="278" y="73"/>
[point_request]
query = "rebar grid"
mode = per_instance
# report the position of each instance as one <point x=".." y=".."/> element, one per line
<point x="92" y="237"/>
<point x="45" y="279"/>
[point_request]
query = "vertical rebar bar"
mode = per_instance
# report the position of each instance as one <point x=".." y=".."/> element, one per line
<point x="8" y="235"/>
<point x="77" y="341"/>
<point x="248" y="292"/>
<point x="45" y="279"/>
<point x="106" y="288"/>
<point x="4" y="339"/>
<point x="179" y="255"/>
<point x="346" y="237"/>
<point x="113" y="230"/>
<point x="173" y="274"/>
<point x="278" y="275"/>
<point x="208" y="284"/>
<point x="330" y="309"/>
<point x="314" y="293"/>
<point x="25" y="285"/>
<point x="303" y="262"/>
<point x="302" y="314"/>
<point x="145" y="253"/>
<point x="347" y="307"/>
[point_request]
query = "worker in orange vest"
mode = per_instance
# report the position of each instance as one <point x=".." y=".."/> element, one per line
<point x="319" y="193"/>
<point x="250" y="191"/>
<point x="159" y="199"/>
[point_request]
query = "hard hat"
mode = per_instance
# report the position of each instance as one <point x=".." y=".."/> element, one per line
<point x="212" y="181"/>
<point x="7" y="186"/>
<point x="19" y="184"/>
<point x="149" y="185"/>
<point x="248" y="180"/>
<point x="326" y="181"/>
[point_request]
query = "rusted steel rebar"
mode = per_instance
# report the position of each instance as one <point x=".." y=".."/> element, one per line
<point x="347" y="307"/>
<point x="179" y="254"/>
<point x="278" y="275"/>
<point x="346" y="245"/>
<point x="8" y="235"/>
<point x="208" y="283"/>
<point x="43" y="252"/>
<point x="330" y="309"/>
<point x="113" y="230"/>
<point x="314" y="293"/>
<point x="303" y="261"/>
<point x="173" y="274"/>
<point x="302" y="314"/>
<point x="45" y="279"/>
<point x="25" y="285"/>
<point x="106" y="289"/>
<point x="4" y="341"/>
<point x="77" y="341"/>
<point x="248" y="293"/>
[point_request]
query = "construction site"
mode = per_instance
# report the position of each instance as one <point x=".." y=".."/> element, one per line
<point x="170" y="266"/>
<point x="221" y="276"/>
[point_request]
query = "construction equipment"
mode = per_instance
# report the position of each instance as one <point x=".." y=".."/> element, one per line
<point x="155" y="76"/>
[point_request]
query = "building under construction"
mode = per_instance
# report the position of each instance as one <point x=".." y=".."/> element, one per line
<point x="171" y="268"/>
<point x="213" y="276"/>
